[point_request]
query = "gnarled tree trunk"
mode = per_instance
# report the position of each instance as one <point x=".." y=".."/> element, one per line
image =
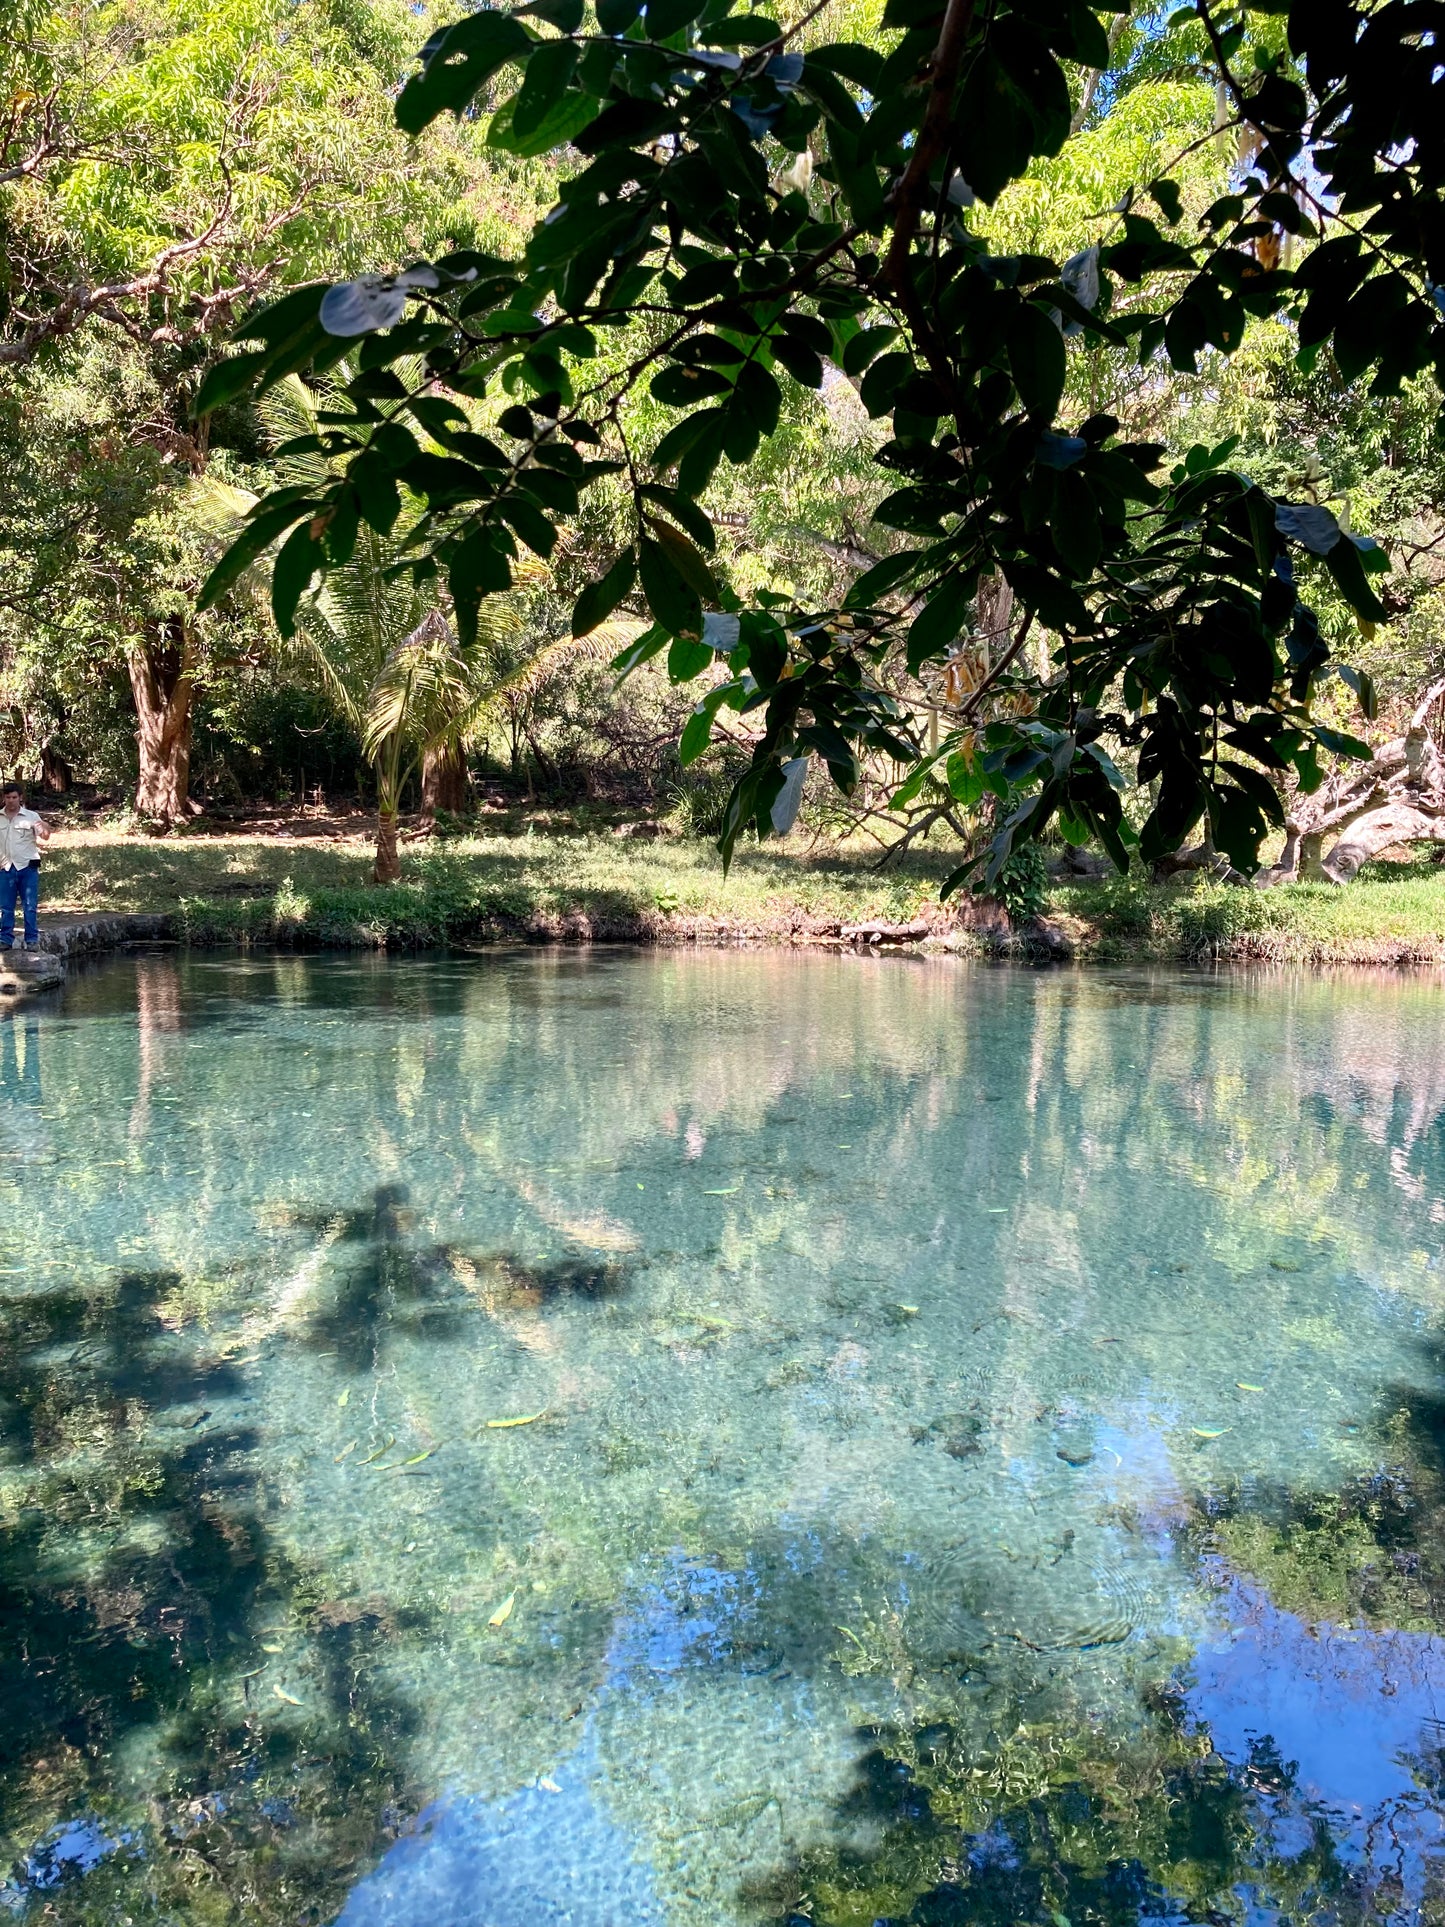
<point x="162" y="669"/>
<point x="56" y="775"/>
<point x="443" y="781"/>
<point x="1368" y="835"/>
<point x="387" y="867"/>
<point x="1397" y="797"/>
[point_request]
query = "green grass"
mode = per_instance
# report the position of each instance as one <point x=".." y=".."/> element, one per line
<point x="1393" y="913"/>
<point x="315" y="891"/>
<point x="239" y="887"/>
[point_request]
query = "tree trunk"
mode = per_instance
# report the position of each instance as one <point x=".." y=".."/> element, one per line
<point x="1311" y="870"/>
<point x="56" y="775"/>
<point x="995" y="614"/>
<point x="1369" y="835"/>
<point x="443" y="782"/>
<point x="387" y="868"/>
<point x="162" y="669"/>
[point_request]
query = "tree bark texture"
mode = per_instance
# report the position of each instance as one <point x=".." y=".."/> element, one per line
<point x="162" y="671"/>
<point x="56" y="775"/>
<point x="443" y="782"/>
<point x="387" y="867"/>
<point x="1397" y="797"/>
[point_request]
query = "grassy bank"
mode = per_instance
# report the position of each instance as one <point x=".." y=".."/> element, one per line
<point x="297" y="885"/>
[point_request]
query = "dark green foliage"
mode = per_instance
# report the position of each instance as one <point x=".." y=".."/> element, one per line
<point x="1022" y="885"/>
<point x="1182" y="637"/>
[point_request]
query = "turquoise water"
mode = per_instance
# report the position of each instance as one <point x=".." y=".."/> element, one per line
<point x="604" y="1437"/>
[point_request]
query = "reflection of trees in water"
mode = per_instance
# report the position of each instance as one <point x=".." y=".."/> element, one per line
<point x="152" y="1581"/>
<point x="1052" y="1824"/>
<point x="136" y="1584"/>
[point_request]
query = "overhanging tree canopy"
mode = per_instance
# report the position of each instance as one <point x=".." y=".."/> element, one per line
<point x="742" y="198"/>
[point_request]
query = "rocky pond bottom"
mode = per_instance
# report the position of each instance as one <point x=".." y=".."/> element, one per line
<point x="565" y="1440"/>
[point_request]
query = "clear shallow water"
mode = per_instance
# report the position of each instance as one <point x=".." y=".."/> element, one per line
<point x="980" y="1460"/>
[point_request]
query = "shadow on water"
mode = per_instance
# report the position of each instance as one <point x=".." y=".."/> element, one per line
<point x="384" y="1289"/>
<point x="136" y="1578"/>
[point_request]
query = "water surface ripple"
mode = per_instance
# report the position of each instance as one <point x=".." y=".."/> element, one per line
<point x="567" y="1439"/>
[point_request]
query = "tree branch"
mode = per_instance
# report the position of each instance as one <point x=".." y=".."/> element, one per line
<point x="909" y="194"/>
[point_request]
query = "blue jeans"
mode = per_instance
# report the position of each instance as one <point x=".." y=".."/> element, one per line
<point x="24" y="884"/>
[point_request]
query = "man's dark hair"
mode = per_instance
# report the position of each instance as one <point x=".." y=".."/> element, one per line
<point x="6" y="788"/>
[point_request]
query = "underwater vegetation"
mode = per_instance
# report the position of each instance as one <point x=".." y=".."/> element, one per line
<point x="471" y="1431"/>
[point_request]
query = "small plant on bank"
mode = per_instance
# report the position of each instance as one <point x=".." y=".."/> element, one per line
<point x="1022" y="886"/>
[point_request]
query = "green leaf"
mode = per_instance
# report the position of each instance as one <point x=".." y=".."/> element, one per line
<point x="801" y="362"/>
<point x="599" y="599"/>
<point x="695" y="470"/>
<point x="687" y="513"/>
<point x="688" y="658"/>
<point x="1038" y="361"/>
<point x="564" y="15"/>
<point x="562" y="123"/>
<point x="258" y="535"/>
<point x="1364" y="688"/>
<point x="965" y="781"/>
<point x="1342" y="743"/>
<point x="298" y="562"/>
<point x="866" y="346"/>
<point x="943" y="616"/>
<point x="697" y="733"/>
<point x="458" y="63"/>
<point x="1168" y="199"/>
<point x="686" y="560"/>
<point x="376" y="490"/>
<point x="665" y="17"/>
<point x="226" y="380"/>
<point x="1344" y="564"/>
<point x="550" y="68"/>
<point x="477" y="569"/>
<point x="679" y="386"/>
<point x="676" y="605"/>
<point x="681" y="437"/>
<point x="882" y="577"/>
<point x="649" y="644"/>
<point x="1076" y="525"/>
<point x="626" y="123"/>
<point x="278" y="321"/>
<point x="529" y="522"/>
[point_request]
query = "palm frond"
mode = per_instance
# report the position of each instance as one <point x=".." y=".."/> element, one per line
<point x="601" y="645"/>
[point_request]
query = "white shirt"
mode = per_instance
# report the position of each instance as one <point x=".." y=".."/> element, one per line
<point x="18" y="847"/>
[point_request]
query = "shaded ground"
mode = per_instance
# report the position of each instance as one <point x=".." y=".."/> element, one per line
<point x="303" y="879"/>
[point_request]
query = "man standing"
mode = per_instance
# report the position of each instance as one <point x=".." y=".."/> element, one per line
<point x="22" y="837"/>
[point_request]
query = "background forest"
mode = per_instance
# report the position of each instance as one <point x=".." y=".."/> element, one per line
<point x="166" y="164"/>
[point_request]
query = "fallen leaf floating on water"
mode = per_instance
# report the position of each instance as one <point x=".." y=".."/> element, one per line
<point x="1245" y="1386"/>
<point x="504" y="1611"/>
<point x="1210" y="1431"/>
<point x="345" y="1397"/>
<point x="380" y="1452"/>
<point x="725" y="1191"/>
<point x="506" y="1424"/>
<point x="346" y="1452"/>
<point x="418" y="1457"/>
<point x="281" y="1694"/>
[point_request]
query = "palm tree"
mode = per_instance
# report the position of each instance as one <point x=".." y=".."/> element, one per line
<point x="383" y="650"/>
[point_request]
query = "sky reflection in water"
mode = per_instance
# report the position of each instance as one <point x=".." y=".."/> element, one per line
<point x="945" y="1413"/>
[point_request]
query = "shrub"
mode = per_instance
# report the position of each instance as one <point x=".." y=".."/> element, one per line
<point x="1023" y="884"/>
